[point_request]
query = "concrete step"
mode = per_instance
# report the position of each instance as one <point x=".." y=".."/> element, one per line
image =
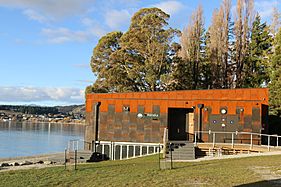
<point x="182" y="151"/>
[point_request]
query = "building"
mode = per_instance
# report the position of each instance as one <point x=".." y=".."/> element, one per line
<point x="144" y="116"/>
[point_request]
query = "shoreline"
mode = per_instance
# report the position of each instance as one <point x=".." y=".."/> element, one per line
<point x="40" y="161"/>
<point x="66" y="123"/>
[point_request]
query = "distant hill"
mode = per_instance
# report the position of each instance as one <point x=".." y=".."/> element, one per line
<point x="75" y="109"/>
<point x="35" y="109"/>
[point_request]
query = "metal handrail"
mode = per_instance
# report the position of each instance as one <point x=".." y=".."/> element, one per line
<point x="269" y="136"/>
<point x="127" y="143"/>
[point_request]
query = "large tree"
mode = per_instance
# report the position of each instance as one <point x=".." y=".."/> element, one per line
<point x="275" y="84"/>
<point x="139" y="59"/>
<point x="148" y="48"/>
<point x="242" y="29"/>
<point x="192" y="43"/>
<point x="103" y="64"/>
<point x="256" y="68"/>
<point x="218" y="47"/>
<point x="276" y="21"/>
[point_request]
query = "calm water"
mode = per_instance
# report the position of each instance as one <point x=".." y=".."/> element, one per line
<point x="26" y="139"/>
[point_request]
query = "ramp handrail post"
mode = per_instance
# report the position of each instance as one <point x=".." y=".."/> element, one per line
<point x="121" y="151"/>
<point x="159" y="156"/>
<point x="214" y="139"/>
<point x="128" y="147"/>
<point x="232" y="140"/>
<point x="251" y="146"/>
<point x="134" y="151"/>
<point x="268" y="142"/>
<point x="171" y="154"/>
<point x="113" y="150"/>
<point x="75" y="159"/>
<point x="195" y="138"/>
<point x="65" y="158"/>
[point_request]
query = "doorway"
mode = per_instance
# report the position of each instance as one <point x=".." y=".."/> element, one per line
<point x="179" y="123"/>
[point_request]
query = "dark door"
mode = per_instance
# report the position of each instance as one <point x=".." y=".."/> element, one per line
<point x="177" y="123"/>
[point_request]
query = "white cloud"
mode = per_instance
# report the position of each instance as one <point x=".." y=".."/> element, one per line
<point x="48" y="9"/>
<point x="33" y="15"/>
<point x="39" y="94"/>
<point x="88" y="22"/>
<point x="85" y="81"/>
<point x="265" y="7"/>
<point x="170" y="7"/>
<point x="93" y="27"/>
<point x="82" y="65"/>
<point x="63" y="35"/>
<point x="117" y="18"/>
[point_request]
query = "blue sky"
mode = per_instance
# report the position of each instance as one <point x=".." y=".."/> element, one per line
<point x="46" y="45"/>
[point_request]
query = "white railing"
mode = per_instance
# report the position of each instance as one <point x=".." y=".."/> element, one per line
<point x="266" y="139"/>
<point x="75" y="144"/>
<point x="112" y="153"/>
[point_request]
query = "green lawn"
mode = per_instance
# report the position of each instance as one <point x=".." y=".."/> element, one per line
<point x="145" y="172"/>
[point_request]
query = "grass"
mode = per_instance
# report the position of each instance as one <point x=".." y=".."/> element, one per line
<point x="145" y="172"/>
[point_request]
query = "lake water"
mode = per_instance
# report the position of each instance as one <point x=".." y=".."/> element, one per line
<point x="26" y="139"/>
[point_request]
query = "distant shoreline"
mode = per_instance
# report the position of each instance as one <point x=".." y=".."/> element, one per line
<point x="27" y="121"/>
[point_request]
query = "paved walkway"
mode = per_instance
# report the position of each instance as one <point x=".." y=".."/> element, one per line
<point x="230" y="156"/>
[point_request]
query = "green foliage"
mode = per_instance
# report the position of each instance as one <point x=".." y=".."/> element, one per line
<point x="275" y="84"/>
<point x="102" y="62"/>
<point x="139" y="59"/>
<point x="257" y="63"/>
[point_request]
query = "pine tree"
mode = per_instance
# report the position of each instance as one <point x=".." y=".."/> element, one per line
<point x="256" y="67"/>
<point x="275" y="84"/>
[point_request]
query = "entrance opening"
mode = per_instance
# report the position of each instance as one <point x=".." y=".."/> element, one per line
<point x="180" y="123"/>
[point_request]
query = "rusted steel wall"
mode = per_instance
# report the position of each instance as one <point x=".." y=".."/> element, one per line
<point x="244" y="108"/>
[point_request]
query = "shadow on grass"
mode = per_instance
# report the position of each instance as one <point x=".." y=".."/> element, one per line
<point x="275" y="182"/>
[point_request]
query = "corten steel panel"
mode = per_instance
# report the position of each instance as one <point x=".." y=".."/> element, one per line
<point x="156" y="109"/>
<point x="118" y="106"/>
<point x="256" y="114"/>
<point x="215" y="108"/>
<point x="164" y="107"/>
<point x="256" y="120"/>
<point x="133" y="106"/>
<point x="205" y="114"/>
<point x="103" y="106"/>
<point x="264" y="119"/>
<point x="148" y="107"/>
<point x="248" y="122"/>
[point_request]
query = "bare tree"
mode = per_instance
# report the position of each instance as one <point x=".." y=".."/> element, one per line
<point x="218" y="46"/>
<point x="276" y="21"/>
<point x="242" y="28"/>
<point x="191" y="42"/>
